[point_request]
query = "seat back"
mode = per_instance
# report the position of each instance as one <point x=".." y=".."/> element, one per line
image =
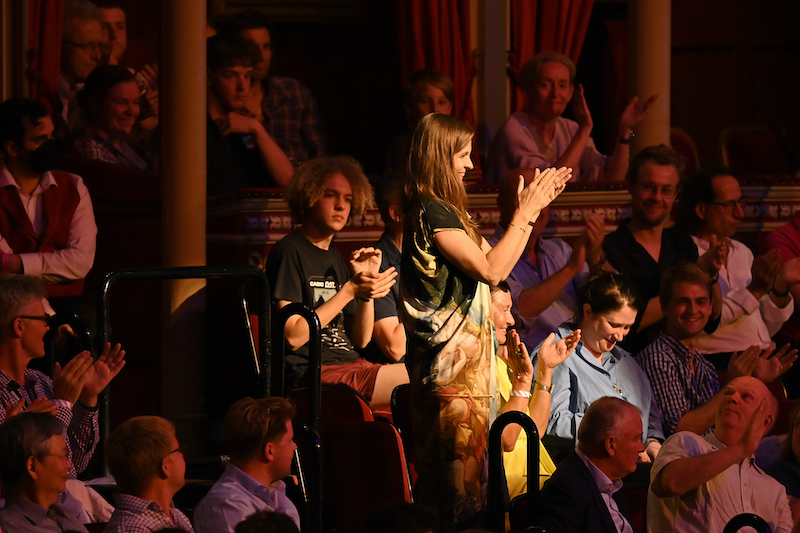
<point x="402" y="413"/>
<point x="683" y="143"/>
<point x="364" y="466"/>
<point x="636" y="497"/>
<point x="756" y="150"/>
<point x="339" y="403"/>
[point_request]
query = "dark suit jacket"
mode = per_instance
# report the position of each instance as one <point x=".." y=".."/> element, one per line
<point x="571" y="502"/>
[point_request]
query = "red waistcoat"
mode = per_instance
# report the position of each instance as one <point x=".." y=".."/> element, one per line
<point x="59" y="206"/>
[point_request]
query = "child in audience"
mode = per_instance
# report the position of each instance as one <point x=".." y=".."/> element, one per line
<point x="426" y="91"/>
<point x="303" y="267"/>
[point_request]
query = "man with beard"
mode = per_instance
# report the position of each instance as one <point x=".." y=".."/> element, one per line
<point x="645" y="246"/>
<point x="47" y="226"/>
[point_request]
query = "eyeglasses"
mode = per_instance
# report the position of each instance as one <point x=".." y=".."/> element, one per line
<point x="731" y="205"/>
<point x="87" y="47"/>
<point x="44" y="318"/>
<point x="179" y="449"/>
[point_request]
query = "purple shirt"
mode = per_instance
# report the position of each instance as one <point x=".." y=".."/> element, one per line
<point x="235" y="496"/>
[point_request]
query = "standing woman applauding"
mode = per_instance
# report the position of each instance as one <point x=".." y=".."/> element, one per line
<point x="447" y="269"/>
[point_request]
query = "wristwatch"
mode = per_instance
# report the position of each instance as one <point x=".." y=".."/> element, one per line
<point x="545" y="388"/>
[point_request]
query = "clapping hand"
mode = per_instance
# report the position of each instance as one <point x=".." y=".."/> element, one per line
<point x="106" y="368"/>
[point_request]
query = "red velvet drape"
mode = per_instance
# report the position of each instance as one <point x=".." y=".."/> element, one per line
<point x="544" y="26"/>
<point x="436" y="34"/>
<point x="44" y="50"/>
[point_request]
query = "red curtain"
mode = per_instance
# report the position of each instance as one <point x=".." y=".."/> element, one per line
<point x="44" y="50"/>
<point x="545" y="26"/>
<point x="436" y="34"/>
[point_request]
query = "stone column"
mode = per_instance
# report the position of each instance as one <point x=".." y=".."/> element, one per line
<point x="650" y="34"/>
<point x="183" y="174"/>
<point x="493" y="83"/>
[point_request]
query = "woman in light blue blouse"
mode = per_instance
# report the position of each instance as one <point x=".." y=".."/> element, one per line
<point x="599" y="367"/>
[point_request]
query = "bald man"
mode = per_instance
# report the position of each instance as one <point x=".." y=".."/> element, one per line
<point x="699" y="484"/>
<point x="545" y="280"/>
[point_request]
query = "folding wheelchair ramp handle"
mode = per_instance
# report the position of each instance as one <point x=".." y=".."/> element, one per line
<point x="496" y="514"/>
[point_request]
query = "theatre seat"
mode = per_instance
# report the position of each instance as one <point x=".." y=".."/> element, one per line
<point x="364" y="466"/>
<point x="339" y="404"/>
<point x="757" y="151"/>
<point x="683" y="143"/>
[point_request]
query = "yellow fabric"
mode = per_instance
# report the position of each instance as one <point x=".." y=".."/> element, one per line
<point x="516" y="461"/>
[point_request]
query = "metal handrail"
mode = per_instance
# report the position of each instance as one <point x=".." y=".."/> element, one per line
<point x="496" y="514"/>
<point x="199" y="272"/>
<point x="314" y="356"/>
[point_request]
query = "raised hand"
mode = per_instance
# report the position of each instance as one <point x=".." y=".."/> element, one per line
<point x="764" y="270"/>
<point x="543" y="189"/>
<point x="518" y="361"/>
<point x="635" y="112"/>
<point x="552" y="354"/>
<point x="770" y="366"/>
<point x="580" y="109"/>
<point x="595" y="233"/>
<point x="103" y="371"/>
<point x="366" y="260"/>
<point x="788" y="275"/>
<point x="754" y="431"/>
<point x="743" y="363"/>
<point x="370" y="286"/>
<point x="715" y="257"/>
<point x="68" y="381"/>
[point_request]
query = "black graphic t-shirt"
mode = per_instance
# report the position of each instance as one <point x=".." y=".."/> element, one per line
<point x="298" y="271"/>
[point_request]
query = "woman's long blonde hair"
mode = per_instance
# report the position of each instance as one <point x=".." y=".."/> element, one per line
<point x="431" y="174"/>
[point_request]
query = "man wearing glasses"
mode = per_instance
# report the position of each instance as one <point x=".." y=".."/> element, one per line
<point x="33" y="469"/>
<point x="646" y="245"/>
<point x="756" y="299"/>
<point x="81" y="44"/>
<point x="72" y="393"/>
<point x="148" y="465"/>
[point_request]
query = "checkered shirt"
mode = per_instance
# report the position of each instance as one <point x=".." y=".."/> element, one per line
<point x="666" y="361"/>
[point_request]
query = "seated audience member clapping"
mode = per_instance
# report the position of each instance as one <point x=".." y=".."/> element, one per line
<point x="33" y="467"/>
<point x="110" y="99"/>
<point x="148" y="465"/>
<point x="389" y="338"/>
<point x="599" y="367"/>
<point x="539" y="137"/>
<point x="514" y="385"/>
<point x="787" y="468"/>
<point x="583" y="495"/>
<point x="304" y="267"/>
<point x="756" y="292"/>
<point x="700" y="483"/>
<point x="258" y="434"/>
<point x="685" y="384"/>
<point x="545" y="280"/>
